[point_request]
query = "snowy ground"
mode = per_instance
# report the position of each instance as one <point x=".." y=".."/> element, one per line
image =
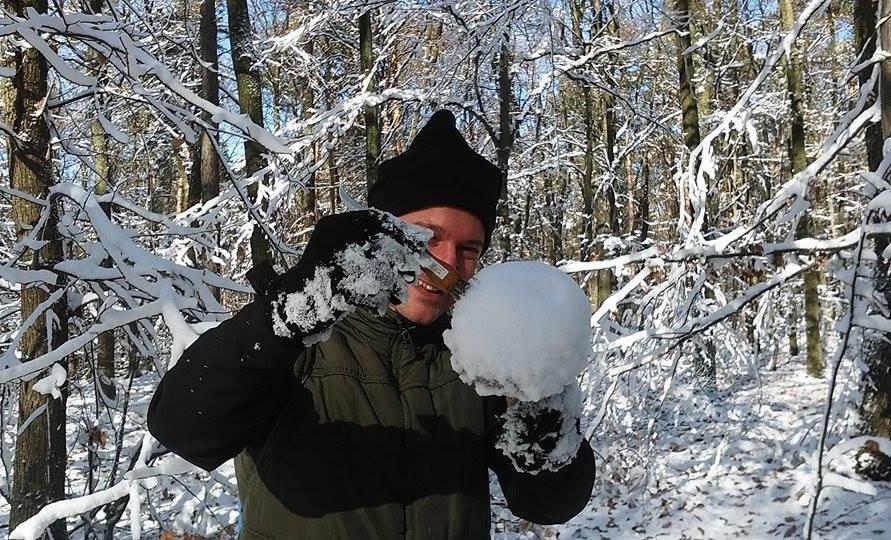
<point x="740" y="469"/>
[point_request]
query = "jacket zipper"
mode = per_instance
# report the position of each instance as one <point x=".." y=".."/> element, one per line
<point x="395" y="360"/>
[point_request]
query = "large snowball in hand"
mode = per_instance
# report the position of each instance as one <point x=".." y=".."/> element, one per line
<point x="522" y="329"/>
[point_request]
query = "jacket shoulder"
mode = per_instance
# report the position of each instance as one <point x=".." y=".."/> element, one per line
<point x="351" y="351"/>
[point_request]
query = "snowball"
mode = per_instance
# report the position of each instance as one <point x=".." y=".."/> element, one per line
<point x="543" y="436"/>
<point x="522" y="329"/>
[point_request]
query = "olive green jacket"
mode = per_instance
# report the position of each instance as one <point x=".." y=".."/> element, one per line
<point x="374" y="435"/>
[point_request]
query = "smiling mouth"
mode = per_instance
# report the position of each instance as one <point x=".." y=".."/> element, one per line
<point x="427" y="287"/>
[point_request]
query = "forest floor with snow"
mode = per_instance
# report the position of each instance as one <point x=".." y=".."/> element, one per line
<point x="740" y="468"/>
<point x="743" y="470"/>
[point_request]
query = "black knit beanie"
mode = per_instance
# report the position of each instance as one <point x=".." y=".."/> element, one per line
<point x="438" y="169"/>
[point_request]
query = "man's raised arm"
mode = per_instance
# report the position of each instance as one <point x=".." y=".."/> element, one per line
<point x="225" y="392"/>
<point x="229" y="387"/>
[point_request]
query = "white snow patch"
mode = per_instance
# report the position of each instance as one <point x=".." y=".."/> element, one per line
<point x="52" y="383"/>
<point x="112" y="130"/>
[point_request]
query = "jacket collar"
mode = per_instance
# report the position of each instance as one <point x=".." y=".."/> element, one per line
<point x="389" y="324"/>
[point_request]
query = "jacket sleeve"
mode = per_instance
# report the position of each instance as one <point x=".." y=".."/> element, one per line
<point x="225" y="392"/>
<point x="548" y="497"/>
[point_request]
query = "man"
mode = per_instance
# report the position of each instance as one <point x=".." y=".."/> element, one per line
<point x="340" y="404"/>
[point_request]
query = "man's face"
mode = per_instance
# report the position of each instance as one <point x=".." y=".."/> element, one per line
<point x="458" y="238"/>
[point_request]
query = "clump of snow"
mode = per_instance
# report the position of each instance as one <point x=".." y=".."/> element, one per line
<point x="369" y="275"/>
<point x="52" y="383"/>
<point x="304" y="309"/>
<point x="374" y="271"/>
<point x="521" y="330"/>
<point x="545" y="435"/>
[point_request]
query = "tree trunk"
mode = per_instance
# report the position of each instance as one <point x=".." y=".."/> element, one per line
<point x="209" y="163"/>
<point x="250" y="100"/>
<point x="643" y="214"/>
<point x="432" y="43"/>
<point x="210" y="90"/>
<point x="372" y="112"/>
<point x="876" y="384"/>
<point x="162" y="181"/>
<point x="700" y="26"/>
<point x="798" y="160"/>
<point x="181" y="176"/>
<point x="307" y="102"/>
<point x="835" y="206"/>
<point x="704" y="361"/>
<point x="689" y="106"/>
<point x="607" y="217"/>
<point x="103" y="170"/>
<point x="587" y="245"/>
<point x="333" y="180"/>
<point x="40" y="452"/>
<point x="505" y="141"/>
<point x="102" y="163"/>
<point x="865" y="12"/>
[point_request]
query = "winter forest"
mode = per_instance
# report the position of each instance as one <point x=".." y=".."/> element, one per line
<point x="712" y="173"/>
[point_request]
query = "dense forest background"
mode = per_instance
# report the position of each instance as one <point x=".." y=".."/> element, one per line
<point x="712" y="172"/>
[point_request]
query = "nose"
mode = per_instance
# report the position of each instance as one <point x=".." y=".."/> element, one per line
<point x="447" y="252"/>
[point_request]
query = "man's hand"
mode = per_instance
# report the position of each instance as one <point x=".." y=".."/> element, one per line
<point x="355" y="259"/>
<point x="542" y="435"/>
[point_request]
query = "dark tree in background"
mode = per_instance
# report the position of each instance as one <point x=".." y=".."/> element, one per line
<point x="250" y="100"/>
<point x="40" y="450"/>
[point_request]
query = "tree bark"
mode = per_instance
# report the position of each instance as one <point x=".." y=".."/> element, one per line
<point x="505" y="142"/>
<point x="250" y="100"/>
<point x="40" y="452"/>
<point x="333" y="168"/>
<point x="181" y="175"/>
<point x="307" y="101"/>
<point x="605" y="207"/>
<point x="865" y="12"/>
<point x="704" y="361"/>
<point x="586" y="244"/>
<point x="689" y="106"/>
<point x="876" y="383"/>
<point x="798" y="161"/>
<point x="162" y="181"/>
<point x="103" y="165"/>
<point x="210" y="90"/>
<point x="835" y="206"/>
<point x="642" y="223"/>
<point x="103" y="171"/>
<point x="208" y="181"/>
<point x="371" y="112"/>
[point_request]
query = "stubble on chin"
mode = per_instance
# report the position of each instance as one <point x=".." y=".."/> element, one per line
<point x="417" y="311"/>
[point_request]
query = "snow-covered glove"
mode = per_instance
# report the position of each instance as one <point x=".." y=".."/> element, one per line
<point x="362" y="258"/>
<point x="542" y="435"/>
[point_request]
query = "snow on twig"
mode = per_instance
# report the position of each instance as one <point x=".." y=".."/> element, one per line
<point x="33" y="527"/>
<point x="589" y="266"/>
